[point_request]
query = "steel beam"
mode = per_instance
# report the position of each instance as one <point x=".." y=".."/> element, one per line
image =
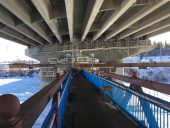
<point x="156" y="27"/>
<point x="135" y="18"/>
<point x="101" y="65"/>
<point x="140" y="65"/>
<point x="157" y="17"/>
<point x="126" y="4"/>
<point x="45" y="9"/>
<point x="69" y="4"/>
<point x="19" y="10"/>
<point x="91" y="13"/>
<point x="163" y="88"/>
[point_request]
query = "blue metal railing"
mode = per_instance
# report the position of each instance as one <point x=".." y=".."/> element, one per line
<point x="63" y="100"/>
<point x="146" y="110"/>
<point x="54" y="118"/>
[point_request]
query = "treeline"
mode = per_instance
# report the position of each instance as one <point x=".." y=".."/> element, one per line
<point x="19" y="73"/>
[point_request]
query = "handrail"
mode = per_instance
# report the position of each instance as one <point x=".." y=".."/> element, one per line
<point x="140" y="65"/>
<point x="56" y="114"/>
<point x="147" y="110"/>
<point x="33" y="107"/>
<point x="160" y="87"/>
<point x="149" y="98"/>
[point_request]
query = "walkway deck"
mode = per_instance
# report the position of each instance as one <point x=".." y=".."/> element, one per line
<point x="87" y="109"/>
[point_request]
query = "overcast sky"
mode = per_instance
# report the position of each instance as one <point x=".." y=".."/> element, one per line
<point x="163" y="37"/>
<point x="11" y="51"/>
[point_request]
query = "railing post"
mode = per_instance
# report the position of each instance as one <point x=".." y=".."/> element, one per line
<point x="146" y="108"/>
<point x="9" y="108"/>
<point x="55" y="101"/>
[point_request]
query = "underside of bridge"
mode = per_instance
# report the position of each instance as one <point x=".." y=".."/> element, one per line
<point x="111" y="29"/>
<point x="67" y="31"/>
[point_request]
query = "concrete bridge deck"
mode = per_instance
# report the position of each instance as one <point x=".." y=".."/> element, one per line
<point x="88" y="110"/>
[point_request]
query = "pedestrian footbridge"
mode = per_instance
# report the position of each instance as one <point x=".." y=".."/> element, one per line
<point x="83" y="99"/>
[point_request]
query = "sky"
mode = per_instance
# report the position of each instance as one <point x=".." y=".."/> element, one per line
<point x="162" y="37"/>
<point x="10" y="51"/>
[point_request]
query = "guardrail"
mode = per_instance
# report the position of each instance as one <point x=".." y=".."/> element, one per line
<point x="146" y="110"/>
<point x="159" y="87"/>
<point x="33" y="107"/>
<point x="56" y="114"/>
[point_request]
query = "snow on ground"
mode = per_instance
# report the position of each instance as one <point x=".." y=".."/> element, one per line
<point x="23" y="88"/>
<point x="7" y="81"/>
<point x="157" y="74"/>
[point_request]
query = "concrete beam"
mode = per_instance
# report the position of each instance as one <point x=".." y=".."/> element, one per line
<point x="126" y="4"/>
<point x="8" y="20"/>
<point x="18" y="22"/>
<point x="58" y="12"/>
<point x="161" y="31"/>
<point x="135" y="18"/>
<point x="17" y="7"/>
<point x="109" y="5"/>
<point x="3" y="35"/>
<point x="91" y="12"/>
<point x="157" y="17"/>
<point x="158" y="26"/>
<point x="45" y="9"/>
<point x="15" y="34"/>
<point x="36" y="17"/>
<point x="69" y="4"/>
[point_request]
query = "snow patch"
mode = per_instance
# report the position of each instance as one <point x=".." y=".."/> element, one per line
<point x="24" y="88"/>
<point x="6" y="81"/>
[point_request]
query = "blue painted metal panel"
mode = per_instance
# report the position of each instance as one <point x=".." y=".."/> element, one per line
<point x="146" y="112"/>
<point x="62" y="102"/>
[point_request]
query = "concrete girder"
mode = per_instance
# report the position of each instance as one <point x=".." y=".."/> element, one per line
<point x="158" y="26"/>
<point x="15" y="34"/>
<point x="139" y="15"/>
<point x="58" y="14"/>
<point x="3" y="35"/>
<point x="91" y="12"/>
<point x="36" y="17"/>
<point x="8" y="20"/>
<point x="113" y="5"/>
<point x="157" y="17"/>
<point x="126" y="4"/>
<point x="109" y="5"/>
<point x="161" y="31"/>
<point x="19" y="10"/>
<point x="69" y="4"/>
<point x="45" y="9"/>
